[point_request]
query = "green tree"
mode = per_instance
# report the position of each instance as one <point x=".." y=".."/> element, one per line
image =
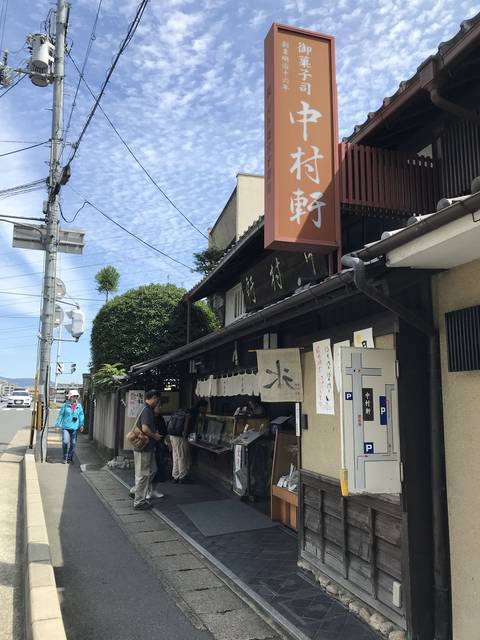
<point x="107" y="280"/>
<point x="206" y="261"/>
<point x="145" y="322"/>
<point x="108" y="377"/>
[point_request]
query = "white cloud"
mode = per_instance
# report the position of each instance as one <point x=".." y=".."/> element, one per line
<point x="188" y="96"/>
<point x="258" y="18"/>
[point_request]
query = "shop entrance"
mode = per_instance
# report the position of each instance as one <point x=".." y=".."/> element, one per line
<point x="250" y="451"/>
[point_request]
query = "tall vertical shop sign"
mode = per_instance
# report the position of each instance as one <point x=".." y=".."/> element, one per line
<point x="302" y="203"/>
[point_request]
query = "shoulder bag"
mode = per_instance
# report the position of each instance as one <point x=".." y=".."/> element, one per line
<point x="136" y="437"/>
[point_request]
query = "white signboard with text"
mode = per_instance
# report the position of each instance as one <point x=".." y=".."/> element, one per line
<point x="370" y="443"/>
<point x="324" y="375"/>
<point x="135" y="402"/>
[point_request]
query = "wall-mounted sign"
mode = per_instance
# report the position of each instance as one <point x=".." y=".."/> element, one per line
<point x="364" y="338"/>
<point x="370" y="428"/>
<point x="280" y="375"/>
<point x="302" y="208"/>
<point x="136" y="400"/>
<point x="279" y="274"/>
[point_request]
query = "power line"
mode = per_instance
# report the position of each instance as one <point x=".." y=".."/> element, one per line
<point x="130" y="151"/>
<point x="32" y="146"/>
<point x="85" y="60"/>
<point x="19" y="346"/>
<point x="130" y="233"/>
<point x="22" y="188"/>
<point x="134" y="235"/>
<point x="13" y="85"/>
<point x="37" y="295"/>
<point x="85" y="266"/>
<point x="126" y="41"/>
<point x="19" y="142"/>
<point x="74" y="217"/>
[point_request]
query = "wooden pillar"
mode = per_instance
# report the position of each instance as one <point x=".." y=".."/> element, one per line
<point x="414" y="420"/>
<point x="189" y="318"/>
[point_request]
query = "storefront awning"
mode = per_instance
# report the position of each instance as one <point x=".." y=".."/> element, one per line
<point x="301" y="302"/>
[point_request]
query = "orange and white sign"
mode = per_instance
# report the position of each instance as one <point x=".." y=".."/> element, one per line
<point x="302" y="208"/>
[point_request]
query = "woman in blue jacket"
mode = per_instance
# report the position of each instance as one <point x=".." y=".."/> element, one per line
<point x="71" y="420"/>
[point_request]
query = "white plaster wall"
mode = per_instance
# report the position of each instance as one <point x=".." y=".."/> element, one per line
<point x="455" y="289"/>
<point x="250" y="201"/>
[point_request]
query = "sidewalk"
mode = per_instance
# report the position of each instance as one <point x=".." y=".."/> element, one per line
<point x="261" y="563"/>
<point x="124" y="574"/>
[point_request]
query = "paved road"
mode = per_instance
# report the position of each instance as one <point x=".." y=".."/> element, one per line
<point x="107" y="589"/>
<point x="11" y="420"/>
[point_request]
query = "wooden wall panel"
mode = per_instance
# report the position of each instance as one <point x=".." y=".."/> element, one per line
<point x="387" y="181"/>
<point x="356" y="541"/>
<point x="460" y="157"/>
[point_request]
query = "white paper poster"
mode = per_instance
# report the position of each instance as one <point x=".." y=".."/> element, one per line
<point x="280" y="375"/>
<point x="136" y="400"/>
<point x="337" y="366"/>
<point x="322" y="355"/>
<point x="363" y="339"/>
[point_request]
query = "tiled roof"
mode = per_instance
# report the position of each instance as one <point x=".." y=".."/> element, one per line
<point x="444" y="50"/>
<point x="249" y="323"/>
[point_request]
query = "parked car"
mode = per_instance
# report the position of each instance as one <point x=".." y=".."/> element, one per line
<point x="19" y="398"/>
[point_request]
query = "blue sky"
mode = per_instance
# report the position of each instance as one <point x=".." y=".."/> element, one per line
<point x="188" y="96"/>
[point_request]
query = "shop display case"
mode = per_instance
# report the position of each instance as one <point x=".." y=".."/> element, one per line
<point x="284" y="506"/>
<point x="217" y="433"/>
<point x="212" y="447"/>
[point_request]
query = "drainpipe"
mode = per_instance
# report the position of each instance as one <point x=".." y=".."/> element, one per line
<point x="441" y="551"/>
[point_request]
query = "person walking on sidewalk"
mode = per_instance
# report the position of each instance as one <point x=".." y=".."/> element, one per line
<point x="70" y="419"/>
<point x="145" y="465"/>
<point x="180" y="446"/>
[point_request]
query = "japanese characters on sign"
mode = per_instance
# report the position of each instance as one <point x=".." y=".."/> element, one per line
<point x="280" y="375"/>
<point x="324" y="377"/>
<point x="135" y="402"/>
<point x="301" y="191"/>
<point x="279" y="274"/>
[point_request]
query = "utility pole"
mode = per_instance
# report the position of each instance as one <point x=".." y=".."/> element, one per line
<point x="52" y="218"/>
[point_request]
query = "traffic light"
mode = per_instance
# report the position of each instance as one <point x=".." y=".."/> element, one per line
<point x="59" y="368"/>
<point x="73" y="367"/>
<point x="76" y="328"/>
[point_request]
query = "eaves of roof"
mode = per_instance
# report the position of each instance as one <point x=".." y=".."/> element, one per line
<point x="447" y="52"/>
<point x="460" y="207"/>
<point x="253" y="230"/>
<point x="299" y="303"/>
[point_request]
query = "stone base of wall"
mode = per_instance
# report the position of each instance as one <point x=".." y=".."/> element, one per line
<point x="121" y="462"/>
<point x="380" y="624"/>
<point x="107" y="453"/>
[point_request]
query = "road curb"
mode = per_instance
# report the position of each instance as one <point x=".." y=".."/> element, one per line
<point x="43" y="615"/>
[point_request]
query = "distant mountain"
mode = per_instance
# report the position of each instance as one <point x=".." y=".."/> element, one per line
<point x="20" y="382"/>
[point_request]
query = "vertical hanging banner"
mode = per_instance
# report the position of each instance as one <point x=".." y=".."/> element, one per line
<point x="324" y="376"/>
<point x="302" y="202"/>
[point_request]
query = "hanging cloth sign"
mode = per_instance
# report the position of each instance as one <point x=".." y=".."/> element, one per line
<point x="322" y="354"/>
<point x="280" y="375"/>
